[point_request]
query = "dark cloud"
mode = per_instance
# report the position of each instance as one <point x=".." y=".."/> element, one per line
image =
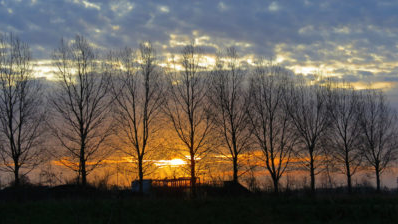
<point x="350" y="78"/>
<point x="366" y="74"/>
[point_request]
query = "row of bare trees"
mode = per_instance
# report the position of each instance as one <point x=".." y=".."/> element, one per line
<point x="124" y="103"/>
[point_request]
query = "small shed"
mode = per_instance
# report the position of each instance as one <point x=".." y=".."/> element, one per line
<point x="146" y="186"/>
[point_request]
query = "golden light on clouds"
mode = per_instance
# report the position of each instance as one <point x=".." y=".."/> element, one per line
<point x="374" y="85"/>
<point x="207" y="61"/>
<point x="354" y="65"/>
<point x="88" y="4"/>
<point x="178" y="41"/>
<point x="164" y="9"/>
<point x="305" y="70"/>
<point x="44" y="68"/>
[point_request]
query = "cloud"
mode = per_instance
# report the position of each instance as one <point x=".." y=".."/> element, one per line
<point x="355" y="40"/>
<point x="273" y="7"/>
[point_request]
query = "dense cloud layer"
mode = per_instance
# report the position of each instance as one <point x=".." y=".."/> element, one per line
<point x="354" y="40"/>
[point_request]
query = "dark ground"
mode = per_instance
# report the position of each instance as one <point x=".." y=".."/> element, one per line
<point x="123" y="207"/>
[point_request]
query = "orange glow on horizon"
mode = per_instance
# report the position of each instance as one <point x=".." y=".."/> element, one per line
<point x="172" y="162"/>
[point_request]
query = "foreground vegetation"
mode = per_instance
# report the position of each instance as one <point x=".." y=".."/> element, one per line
<point x="261" y="208"/>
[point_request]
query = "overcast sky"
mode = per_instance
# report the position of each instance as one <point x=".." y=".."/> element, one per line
<point x="354" y="40"/>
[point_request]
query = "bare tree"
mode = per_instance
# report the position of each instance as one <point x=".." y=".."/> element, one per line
<point x="270" y="120"/>
<point x="307" y="107"/>
<point x="344" y="134"/>
<point x="379" y="132"/>
<point x="139" y="95"/>
<point x="21" y="109"/>
<point x="229" y="105"/>
<point x="188" y="110"/>
<point x="81" y="107"/>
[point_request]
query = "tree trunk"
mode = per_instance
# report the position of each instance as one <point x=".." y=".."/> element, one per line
<point x="193" y="177"/>
<point x="349" y="183"/>
<point x="16" y="176"/>
<point x="235" y="168"/>
<point x="312" y="173"/>
<point x="348" y="173"/>
<point x="140" y="176"/>
<point x="276" y="185"/>
<point x="378" y="189"/>
<point x="83" y="171"/>
<point x="82" y="164"/>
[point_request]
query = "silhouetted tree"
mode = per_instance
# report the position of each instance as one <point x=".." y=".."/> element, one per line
<point x="270" y="120"/>
<point x="379" y="132"/>
<point x="81" y="107"/>
<point x="344" y="135"/>
<point x="139" y="94"/>
<point x="187" y="108"/>
<point x="307" y="108"/>
<point x="21" y="109"/>
<point x="229" y="105"/>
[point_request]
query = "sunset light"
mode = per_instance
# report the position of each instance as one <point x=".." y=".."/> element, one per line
<point x="171" y="163"/>
<point x="211" y="111"/>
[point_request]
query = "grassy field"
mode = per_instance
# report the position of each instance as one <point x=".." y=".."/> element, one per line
<point x="261" y="209"/>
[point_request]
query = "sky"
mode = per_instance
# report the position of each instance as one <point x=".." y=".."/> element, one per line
<point x="356" y="41"/>
<point x="353" y="40"/>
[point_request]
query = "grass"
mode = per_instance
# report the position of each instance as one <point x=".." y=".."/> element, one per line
<point x="261" y="209"/>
